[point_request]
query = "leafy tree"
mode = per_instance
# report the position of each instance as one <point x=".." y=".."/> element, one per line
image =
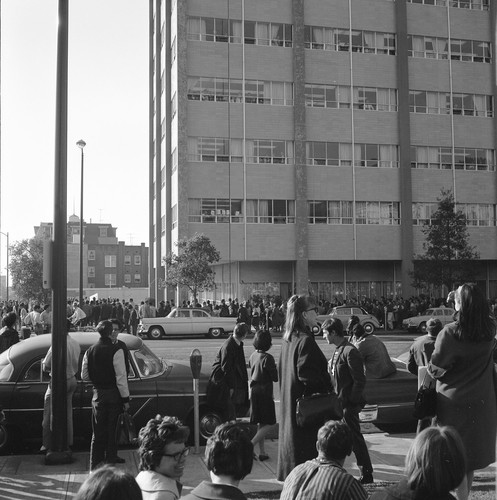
<point x="26" y="269"/>
<point x="191" y="265"/>
<point x="448" y="257"/>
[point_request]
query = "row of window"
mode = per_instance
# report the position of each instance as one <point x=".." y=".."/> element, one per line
<point x="232" y="90"/>
<point x="440" y="103"/>
<point x="110" y="279"/>
<point x="461" y="4"/>
<point x="111" y="260"/>
<point x="337" y="39"/>
<point x="338" y="154"/>
<point x="217" y="210"/>
<point x="441" y="158"/>
<point x="211" y="29"/>
<point x="460" y="50"/>
<point x="339" y="96"/>
<point x="477" y="214"/>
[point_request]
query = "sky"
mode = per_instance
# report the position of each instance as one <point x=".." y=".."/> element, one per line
<point x="107" y="108"/>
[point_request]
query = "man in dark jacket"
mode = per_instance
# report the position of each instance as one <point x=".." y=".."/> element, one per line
<point x="104" y="366"/>
<point x="8" y="335"/>
<point x="347" y="372"/>
<point x="230" y="366"/>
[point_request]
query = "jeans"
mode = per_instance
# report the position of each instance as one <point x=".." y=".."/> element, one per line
<point x="351" y="417"/>
<point x="106" y="407"/>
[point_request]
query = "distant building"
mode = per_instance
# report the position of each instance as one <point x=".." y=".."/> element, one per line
<point x="107" y="262"/>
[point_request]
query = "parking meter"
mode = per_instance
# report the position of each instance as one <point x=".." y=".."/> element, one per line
<point x="196" y="365"/>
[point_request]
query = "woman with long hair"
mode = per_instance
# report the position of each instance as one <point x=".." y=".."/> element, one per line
<point x="463" y="365"/>
<point x="302" y="371"/>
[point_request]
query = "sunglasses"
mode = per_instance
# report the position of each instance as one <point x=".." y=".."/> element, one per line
<point x="178" y="456"/>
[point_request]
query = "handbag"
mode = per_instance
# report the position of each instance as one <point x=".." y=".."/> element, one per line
<point x="425" y="404"/>
<point x="125" y="429"/>
<point x="315" y="410"/>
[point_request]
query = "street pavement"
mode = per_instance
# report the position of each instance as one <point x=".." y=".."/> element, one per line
<point x="26" y="477"/>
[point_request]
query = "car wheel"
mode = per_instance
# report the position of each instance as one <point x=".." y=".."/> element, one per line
<point x="368" y="328"/>
<point x="209" y="420"/>
<point x="215" y="333"/>
<point x="422" y="327"/>
<point x="155" y="333"/>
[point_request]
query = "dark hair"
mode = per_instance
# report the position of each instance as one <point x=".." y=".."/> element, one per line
<point x="295" y="322"/>
<point x="109" y="483"/>
<point x="241" y="330"/>
<point x="435" y="462"/>
<point x="353" y="320"/>
<point x="333" y="325"/>
<point x="358" y="331"/>
<point x="229" y="451"/>
<point x="262" y="340"/>
<point x="474" y="323"/>
<point x="159" y="432"/>
<point x="335" y="440"/>
<point x="9" y="319"/>
<point x="105" y="328"/>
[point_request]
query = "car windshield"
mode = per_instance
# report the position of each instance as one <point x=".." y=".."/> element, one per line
<point x="6" y="367"/>
<point x="147" y="362"/>
<point x="428" y="312"/>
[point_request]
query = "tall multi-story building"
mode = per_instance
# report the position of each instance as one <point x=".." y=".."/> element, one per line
<point x="311" y="140"/>
<point x="107" y="262"/>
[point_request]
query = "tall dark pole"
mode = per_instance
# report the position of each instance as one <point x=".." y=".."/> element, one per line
<point x="81" y="144"/>
<point x="59" y="452"/>
<point x="7" y="267"/>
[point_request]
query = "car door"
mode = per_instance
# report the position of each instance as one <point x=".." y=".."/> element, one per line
<point x="201" y="322"/>
<point x="179" y="323"/>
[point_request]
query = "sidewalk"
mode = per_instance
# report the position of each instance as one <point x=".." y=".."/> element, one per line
<point x="26" y="477"/>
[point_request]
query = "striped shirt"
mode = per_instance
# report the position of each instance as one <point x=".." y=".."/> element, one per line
<point x="321" y="480"/>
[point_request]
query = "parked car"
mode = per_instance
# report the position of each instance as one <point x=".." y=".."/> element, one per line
<point x="156" y="386"/>
<point x="368" y="321"/>
<point x="185" y="321"/>
<point x="418" y="323"/>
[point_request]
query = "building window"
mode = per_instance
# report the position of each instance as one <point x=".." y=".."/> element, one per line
<point x="163" y="177"/>
<point x="127" y="260"/>
<point x="472" y="105"/>
<point x="477" y="214"/>
<point x="173" y="50"/>
<point x="269" y="151"/>
<point x="138" y="278"/>
<point x="173" y="106"/>
<point x="461" y="4"/>
<point x="127" y="278"/>
<point x="91" y="254"/>
<point x="212" y="210"/>
<point x="210" y="29"/>
<point x="103" y="232"/>
<point x="91" y="271"/>
<point x="233" y="90"/>
<point x="163" y="225"/>
<point x="421" y="101"/>
<point x="475" y="159"/>
<point x="174" y="216"/>
<point x="110" y="280"/>
<point x="91" y="285"/>
<point x="138" y="260"/>
<point x="110" y="261"/>
<point x="330" y="212"/>
<point x="174" y="160"/>
<point x="371" y="42"/>
<point x="340" y="154"/>
<point x="270" y="211"/>
<point x="377" y="212"/>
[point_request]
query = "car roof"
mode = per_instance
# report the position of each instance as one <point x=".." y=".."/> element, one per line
<point x="39" y="345"/>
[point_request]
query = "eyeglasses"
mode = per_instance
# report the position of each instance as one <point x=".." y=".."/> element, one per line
<point x="315" y="309"/>
<point x="178" y="456"/>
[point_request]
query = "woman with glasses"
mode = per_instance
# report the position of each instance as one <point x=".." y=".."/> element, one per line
<point x="302" y="372"/>
<point x="162" y="458"/>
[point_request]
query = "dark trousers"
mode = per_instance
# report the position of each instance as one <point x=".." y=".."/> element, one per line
<point x="106" y="407"/>
<point x="361" y="452"/>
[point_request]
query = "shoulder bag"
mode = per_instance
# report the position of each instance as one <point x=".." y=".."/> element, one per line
<point x="125" y="429"/>
<point x="425" y="404"/>
<point x="315" y="410"/>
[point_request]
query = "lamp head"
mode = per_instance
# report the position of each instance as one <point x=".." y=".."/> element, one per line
<point x="81" y="144"/>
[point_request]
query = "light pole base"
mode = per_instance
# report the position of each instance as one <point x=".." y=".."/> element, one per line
<point x="58" y="457"/>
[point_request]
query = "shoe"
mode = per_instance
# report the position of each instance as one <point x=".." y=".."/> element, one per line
<point x="116" y="460"/>
<point x="366" y="479"/>
<point x="263" y="457"/>
<point x="42" y="451"/>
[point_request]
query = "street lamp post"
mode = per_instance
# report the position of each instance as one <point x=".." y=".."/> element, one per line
<point x="81" y="144"/>
<point x="7" y="277"/>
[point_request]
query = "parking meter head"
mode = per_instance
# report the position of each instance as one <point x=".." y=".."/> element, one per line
<point x="196" y="363"/>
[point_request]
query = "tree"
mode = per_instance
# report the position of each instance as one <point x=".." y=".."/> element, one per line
<point x="26" y="269"/>
<point x="191" y="265"/>
<point x="448" y="257"/>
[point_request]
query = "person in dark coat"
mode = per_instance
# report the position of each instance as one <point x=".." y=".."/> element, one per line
<point x="346" y="368"/>
<point x="435" y="466"/>
<point x="302" y="371"/>
<point x="463" y="365"/>
<point x="8" y="334"/>
<point x="229" y="372"/>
